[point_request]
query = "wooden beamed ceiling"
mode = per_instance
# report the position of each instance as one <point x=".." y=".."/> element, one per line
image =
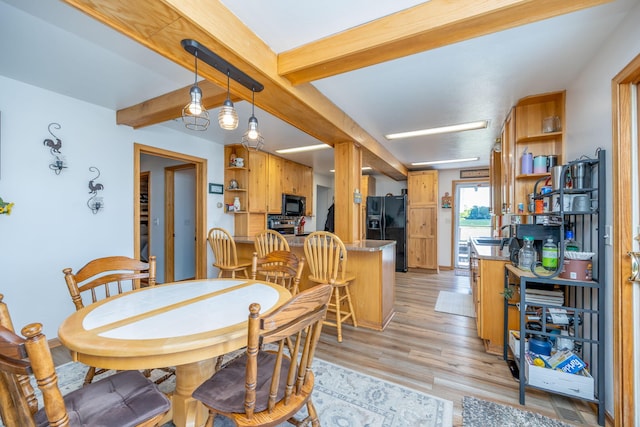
<point x="161" y="25"/>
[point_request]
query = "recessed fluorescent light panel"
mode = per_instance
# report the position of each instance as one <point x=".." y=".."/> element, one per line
<point x="439" y="162"/>
<point x="364" y="168"/>
<point x="443" y="129"/>
<point x="301" y="149"/>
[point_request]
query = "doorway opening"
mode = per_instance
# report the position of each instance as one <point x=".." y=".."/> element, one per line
<point x="199" y="205"/>
<point x="471" y="217"/>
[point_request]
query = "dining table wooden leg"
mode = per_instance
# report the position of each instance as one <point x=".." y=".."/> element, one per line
<point x="187" y="411"/>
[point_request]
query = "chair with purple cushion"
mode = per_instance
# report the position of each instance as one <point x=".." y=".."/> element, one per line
<point x="268" y="385"/>
<point x="126" y="398"/>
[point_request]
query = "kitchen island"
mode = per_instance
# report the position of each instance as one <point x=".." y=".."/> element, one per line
<point x="373" y="264"/>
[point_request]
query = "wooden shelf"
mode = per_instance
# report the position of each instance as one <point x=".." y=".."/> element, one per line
<point x="539" y="137"/>
<point x="237" y="189"/>
<point x="533" y="175"/>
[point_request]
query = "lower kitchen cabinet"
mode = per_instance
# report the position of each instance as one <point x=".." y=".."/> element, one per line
<point x="487" y="286"/>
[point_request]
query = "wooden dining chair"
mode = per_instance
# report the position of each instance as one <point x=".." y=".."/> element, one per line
<point x="224" y="251"/>
<point x="281" y="267"/>
<point x="267" y="385"/>
<point x="105" y="277"/>
<point x="126" y="398"/>
<point x="268" y="241"/>
<point x="326" y="257"/>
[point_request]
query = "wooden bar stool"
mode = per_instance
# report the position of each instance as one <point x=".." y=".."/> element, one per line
<point x="224" y="250"/>
<point x="327" y="260"/>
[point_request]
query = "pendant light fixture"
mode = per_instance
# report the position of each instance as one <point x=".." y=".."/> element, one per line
<point x="194" y="115"/>
<point x="228" y="117"/>
<point x="252" y="140"/>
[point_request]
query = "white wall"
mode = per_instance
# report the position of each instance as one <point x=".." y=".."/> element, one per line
<point x="385" y="185"/>
<point x="588" y="126"/>
<point x="51" y="227"/>
<point x="445" y="216"/>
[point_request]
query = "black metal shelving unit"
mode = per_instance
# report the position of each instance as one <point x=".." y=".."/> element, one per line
<point x="583" y="300"/>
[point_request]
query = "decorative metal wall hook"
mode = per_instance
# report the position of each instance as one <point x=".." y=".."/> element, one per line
<point x="59" y="161"/>
<point x="95" y="203"/>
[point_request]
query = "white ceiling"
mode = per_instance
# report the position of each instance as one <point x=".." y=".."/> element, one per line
<point x="53" y="46"/>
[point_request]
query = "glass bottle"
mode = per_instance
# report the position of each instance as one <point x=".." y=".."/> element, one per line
<point x="527" y="254"/>
<point x="550" y="255"/>
<point x="570" y="245"/>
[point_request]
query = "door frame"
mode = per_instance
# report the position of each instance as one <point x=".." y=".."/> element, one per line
<point x="454" y="208"/>
<point x="200" y="200"/>
<point x="624" y="374"/>
<point x="169" y="219"/>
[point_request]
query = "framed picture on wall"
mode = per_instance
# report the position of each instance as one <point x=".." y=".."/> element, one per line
<point x="216" y="188"/>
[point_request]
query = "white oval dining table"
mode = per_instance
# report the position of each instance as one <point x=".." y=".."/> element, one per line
<point x="183" y="324"/>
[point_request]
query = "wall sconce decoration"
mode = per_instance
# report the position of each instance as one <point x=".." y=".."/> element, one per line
<point x="59" y="161"/>
<point x="95" y="203"/>
<point x="5" y="207"/>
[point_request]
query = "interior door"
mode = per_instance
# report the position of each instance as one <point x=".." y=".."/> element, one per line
<point x="184" y="224"/>
<point x="625" y="239"/>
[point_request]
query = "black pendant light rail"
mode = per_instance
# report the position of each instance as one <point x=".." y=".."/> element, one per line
<point x="208" y="57"/>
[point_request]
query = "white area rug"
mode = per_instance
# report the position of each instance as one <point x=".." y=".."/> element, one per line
<point x="342" y="397"/>
<point x="455" y="303"/>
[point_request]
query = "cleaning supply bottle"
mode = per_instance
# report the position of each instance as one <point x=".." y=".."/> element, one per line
<point x="570" y="245"/>
<point x="550" y="255"/>
<point x="527" y="255"/>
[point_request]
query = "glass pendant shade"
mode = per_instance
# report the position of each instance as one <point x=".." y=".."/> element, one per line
<point x="252" y="138"/>
<point x="228" y="117"/>
<point x="194" y="115"/>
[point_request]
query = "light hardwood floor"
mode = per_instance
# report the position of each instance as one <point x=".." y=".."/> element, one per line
<point x="437" y="353"/>
<point x="440" y="354"/>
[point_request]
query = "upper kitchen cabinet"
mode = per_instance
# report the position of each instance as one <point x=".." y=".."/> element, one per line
<point x="539" y="129"/>
<point x="297" y="179"/>
<point x="274" y="196"/>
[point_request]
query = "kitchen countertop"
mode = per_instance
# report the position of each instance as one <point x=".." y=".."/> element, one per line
<point x="491" y="252"/>
<point x="298" y="241"/>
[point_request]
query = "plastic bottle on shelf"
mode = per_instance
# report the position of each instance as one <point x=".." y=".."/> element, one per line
<point x="550" y="255"/>
<point x="570" y="245"/>
<point x="527" y="254"/>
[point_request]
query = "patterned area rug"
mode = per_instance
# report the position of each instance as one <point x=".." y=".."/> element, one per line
<point x="342" y="397"/>
<point x="481" y="413"/>
<point x="455" y="303"/>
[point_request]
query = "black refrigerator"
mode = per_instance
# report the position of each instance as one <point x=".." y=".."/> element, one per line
<point x="387" y="220"/>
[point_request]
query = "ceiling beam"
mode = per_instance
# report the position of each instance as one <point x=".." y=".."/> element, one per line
<point x="429" y="25"/>
<point x="169" y="106"/>
<point x="161" y="25"/>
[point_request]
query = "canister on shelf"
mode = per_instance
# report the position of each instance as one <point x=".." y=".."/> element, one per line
<point x="540" y="164"/>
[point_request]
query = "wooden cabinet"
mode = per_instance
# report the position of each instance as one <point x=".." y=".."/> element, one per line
<point x="251" y="190"/>
<point x="528" y="116"/>
<point x="297" y="179"/>
<point x="260" y="184"/>
<point x="274" y="185"/>
<point x="422" y="220"/>
<point x="487" y="286"/>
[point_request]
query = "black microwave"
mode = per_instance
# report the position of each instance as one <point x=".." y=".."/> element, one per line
<point x="293" y="205"/>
